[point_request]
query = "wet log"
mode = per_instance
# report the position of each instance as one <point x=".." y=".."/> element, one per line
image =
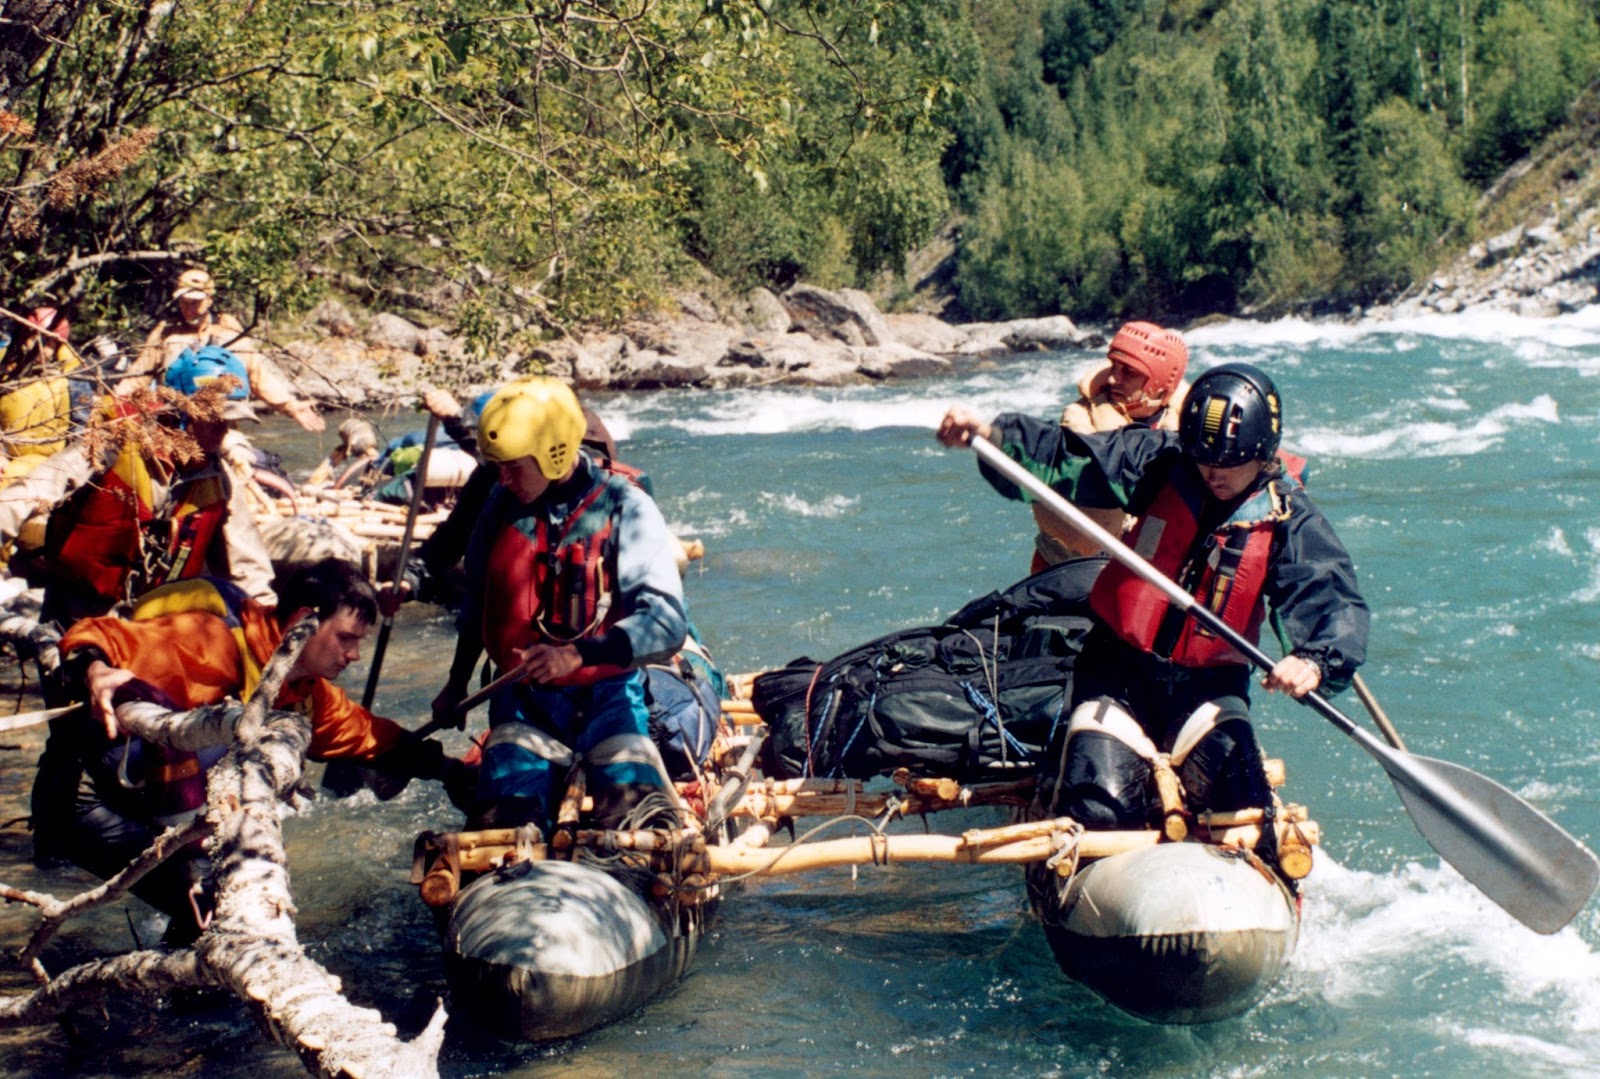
<point x="969" y="849"/>
<point x="251" y="946"/>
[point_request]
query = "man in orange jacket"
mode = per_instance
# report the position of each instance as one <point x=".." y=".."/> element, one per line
<point x="193" y="643"/>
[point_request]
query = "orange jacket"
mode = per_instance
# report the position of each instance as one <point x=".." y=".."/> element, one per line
<point x="194" y="658"/>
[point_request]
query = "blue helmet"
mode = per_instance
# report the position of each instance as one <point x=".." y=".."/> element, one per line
<point x="193" y="370"/>
<point x="472" y="412"/>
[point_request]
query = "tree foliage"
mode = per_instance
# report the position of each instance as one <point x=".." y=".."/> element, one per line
<point x="1252" y="154"/>
<point x="519" y="166"/>
<point x="542" y="157"/>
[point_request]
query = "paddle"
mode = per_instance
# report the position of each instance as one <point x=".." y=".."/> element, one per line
<point x="1510" y="851"/>
<point x="343" y="777"/>
<point x="23" y="720"/>
<point x="1375" y="710"/>
<point x="459" y="712"/>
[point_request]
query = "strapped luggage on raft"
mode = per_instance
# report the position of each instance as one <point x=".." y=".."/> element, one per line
<point x="974" y="698"/>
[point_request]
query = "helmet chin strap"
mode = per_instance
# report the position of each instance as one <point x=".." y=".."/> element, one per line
<point x="1145" y="405"/>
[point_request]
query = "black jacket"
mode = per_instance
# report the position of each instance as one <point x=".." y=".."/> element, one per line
<point x="1318" y="611"/>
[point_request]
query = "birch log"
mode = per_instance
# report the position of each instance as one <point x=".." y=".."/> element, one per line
<point x="250" y="946"/>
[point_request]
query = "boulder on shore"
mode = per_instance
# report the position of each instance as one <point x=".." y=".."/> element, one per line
<point x="811" y="335"/>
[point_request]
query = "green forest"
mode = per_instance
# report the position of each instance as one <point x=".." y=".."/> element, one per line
<point x="521" y="168"/>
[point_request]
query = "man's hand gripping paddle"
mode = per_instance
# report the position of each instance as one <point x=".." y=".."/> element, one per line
<point x="1510" y="851"/>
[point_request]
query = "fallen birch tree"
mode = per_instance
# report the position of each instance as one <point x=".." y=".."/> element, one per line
<point x="250" y="946"/>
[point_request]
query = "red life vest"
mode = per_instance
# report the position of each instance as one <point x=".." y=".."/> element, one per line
<point x="96" y="541"/>
<point x="1226" y="571"/>
<point x="196" y="521"/>
<point x="108" y="533"/>
<point x="556" y="588"/>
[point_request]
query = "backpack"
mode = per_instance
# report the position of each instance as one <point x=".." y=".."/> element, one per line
<point x="684" y="698"/>
<point x="976" y="697"/>
<point x="684" y="711"/>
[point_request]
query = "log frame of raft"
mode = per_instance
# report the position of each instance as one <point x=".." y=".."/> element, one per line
<point x="442" y="858"/>
<point x="1180" y="923"/>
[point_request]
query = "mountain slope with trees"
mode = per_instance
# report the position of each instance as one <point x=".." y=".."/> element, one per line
<point x="1191" y="158"/>
<point x="513" y="170"/>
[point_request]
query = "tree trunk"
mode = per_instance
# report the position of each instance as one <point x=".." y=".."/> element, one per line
<point x="250" y="946"/>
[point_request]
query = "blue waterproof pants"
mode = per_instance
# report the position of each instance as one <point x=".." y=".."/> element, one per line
<point x="536" y="734"/>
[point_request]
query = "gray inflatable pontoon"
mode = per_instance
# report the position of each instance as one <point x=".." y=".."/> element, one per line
<point x="1175" y="933"/>
<point x="550" y="949"/>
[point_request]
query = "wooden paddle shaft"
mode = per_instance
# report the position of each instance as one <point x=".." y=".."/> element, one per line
<point x="23" y="720"/>
<point x="419" y="484"/>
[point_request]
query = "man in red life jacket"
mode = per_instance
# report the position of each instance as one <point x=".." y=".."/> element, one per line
<point x="571" y="580"/>
<point x="135" y="519"/>
<point x="1223" y="514"/>
<point x="193" y="643"/>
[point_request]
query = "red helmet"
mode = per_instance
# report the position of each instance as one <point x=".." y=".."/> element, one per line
<point x="1159" y="354"/>
<point x="51" y="319"/>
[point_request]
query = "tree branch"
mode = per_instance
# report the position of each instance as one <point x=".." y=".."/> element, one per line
<point x="251" y="946"/>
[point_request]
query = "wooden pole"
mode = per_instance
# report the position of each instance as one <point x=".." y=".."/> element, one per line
<point x="1016" y="844"/>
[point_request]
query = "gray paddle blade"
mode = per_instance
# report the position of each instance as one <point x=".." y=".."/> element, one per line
<point x="1514" y="854"/>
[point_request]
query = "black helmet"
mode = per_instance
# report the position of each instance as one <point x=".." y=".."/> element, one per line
<point x="1232" y="415"/>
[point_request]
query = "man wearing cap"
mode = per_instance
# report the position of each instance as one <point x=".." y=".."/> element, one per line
<point x="197" y="326"/>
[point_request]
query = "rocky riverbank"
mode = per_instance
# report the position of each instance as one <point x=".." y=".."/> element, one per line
<point x="1548" y="269"/>
<point x="816" y="336"/>
<point x="808" y="335"/>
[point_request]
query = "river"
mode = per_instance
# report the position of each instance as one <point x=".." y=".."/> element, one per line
<point x="1457" y="458"/>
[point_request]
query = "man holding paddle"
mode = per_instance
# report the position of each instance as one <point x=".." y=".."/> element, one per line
<point x="572" y="590"/>
<point x="1223" y="514"/>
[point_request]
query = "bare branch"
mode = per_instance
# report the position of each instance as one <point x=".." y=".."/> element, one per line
<point x="250" y="946"/>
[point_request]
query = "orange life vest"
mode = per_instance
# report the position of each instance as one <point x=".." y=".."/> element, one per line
<point x="174" y="786"/>
<point x="1226" y="570"/>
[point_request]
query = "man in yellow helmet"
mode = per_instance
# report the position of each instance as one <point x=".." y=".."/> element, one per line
<point x="571" y="580"/>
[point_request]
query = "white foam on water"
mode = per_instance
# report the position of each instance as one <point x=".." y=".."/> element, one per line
<point x="1034" y="385"/>
<point x="791" y="503"/>
<point x="1449" y="401"/>
<point x="1556" y="543"/>
<point x="1579" y="329"/>
<point x="1591" y="591"/>
<point x="618" y="423"/>
<point x="1365" y="934"/>
<point x="731" y="522"/>
<point x="1529" y="1051"/>
<point x="1410" y="438"/>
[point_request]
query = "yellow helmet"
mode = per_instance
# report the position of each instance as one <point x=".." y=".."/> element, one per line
<point x="536" y="417"/>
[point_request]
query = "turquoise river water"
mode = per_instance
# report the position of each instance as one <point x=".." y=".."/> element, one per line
<point x="1458" y="459"/>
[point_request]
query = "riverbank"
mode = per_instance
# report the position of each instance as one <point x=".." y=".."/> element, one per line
<point x="806" y="336"/>
<point x="810" y="336"/>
